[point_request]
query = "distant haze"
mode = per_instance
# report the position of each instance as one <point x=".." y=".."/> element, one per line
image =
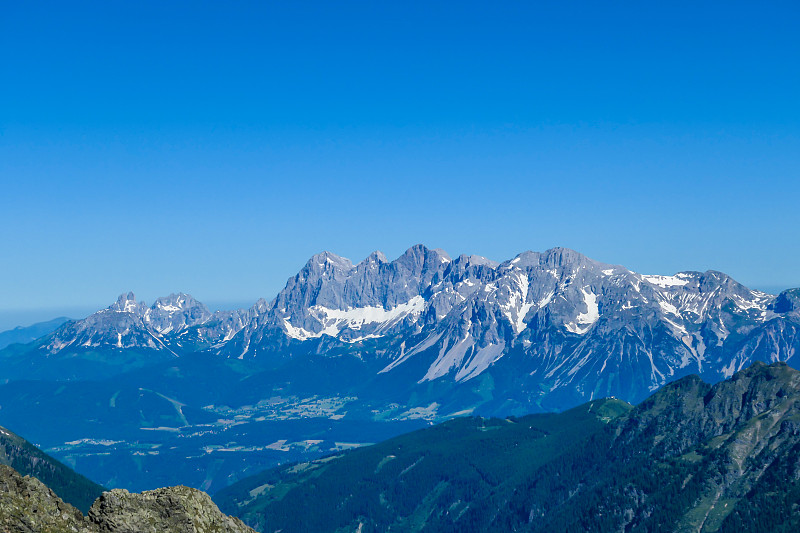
<point x="12" y="318"/>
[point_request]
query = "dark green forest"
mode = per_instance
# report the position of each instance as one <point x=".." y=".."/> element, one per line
<point x="692" y="457"/>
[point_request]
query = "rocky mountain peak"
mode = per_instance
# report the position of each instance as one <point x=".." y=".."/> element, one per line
<point x="376" y="257"/>
<point x="126" y="303"/>
<point x="176" y="300"/>
<point x="576" y="326"/>
<point x="418" y="258"/>
<point x="176" y="312"/>
<point x="559" y="257"/>
<point x="442" y="254"/>
<point x="326" y="262"/>
<point x="787" y="302"/>
<point x="476" y="260"/>
<point x="26" y="504"/>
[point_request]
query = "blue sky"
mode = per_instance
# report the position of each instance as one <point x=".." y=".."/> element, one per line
<point x="212" y="147"/>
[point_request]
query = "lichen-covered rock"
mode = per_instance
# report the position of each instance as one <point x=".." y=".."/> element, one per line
<point x="167" y="510"/>
<point x="27" y="505"/>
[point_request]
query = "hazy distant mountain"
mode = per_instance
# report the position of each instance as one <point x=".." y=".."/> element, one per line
<point x="693" y="457"/>
<point x="125" y="336"/>
<point x="26" y="334"/>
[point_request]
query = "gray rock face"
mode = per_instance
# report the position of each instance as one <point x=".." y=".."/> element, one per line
<point x="123" y="325"/>
<point x="220" y="327"/>
<point x="27" y="505"/>
<point x="130" y="324"/>
<point x="175" y="313"/>
<point x="172" y="510"/>
<point x="578" y="328"/>
<point x="105" y="329"/>
<point x="787" y="302"/>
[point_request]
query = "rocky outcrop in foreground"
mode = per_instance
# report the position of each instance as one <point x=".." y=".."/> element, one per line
<point x="179" y="509"/>
<point x="27" y="505"/>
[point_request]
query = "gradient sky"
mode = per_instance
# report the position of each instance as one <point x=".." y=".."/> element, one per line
<point x="213" y="147"/>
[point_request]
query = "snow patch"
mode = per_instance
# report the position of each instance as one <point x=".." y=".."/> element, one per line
<point x="333" y="321"/>
<point x="358" y="316"/>
<point x="518" y="304"/>
<point x="664" y="281"/>
<point x="668" y="308"/>
<point x="546" y="299"/>
<point x="585" y="320"/>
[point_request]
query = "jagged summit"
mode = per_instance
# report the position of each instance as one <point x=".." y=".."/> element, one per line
<point x="477" y="260"/>
<point x="443" y="254"/>
<point x="327" y="261"/>
<point x="376" y="257"/>
<point x="126" y="303"/>
<point x="577" y="319"/>
<point x="787" y="302"/>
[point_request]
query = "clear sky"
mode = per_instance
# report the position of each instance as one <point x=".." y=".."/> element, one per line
<point x="213" y="147"/>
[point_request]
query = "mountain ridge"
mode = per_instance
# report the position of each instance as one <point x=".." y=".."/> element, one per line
<point x="27" y="334"/>
<point x="467" y="314"/>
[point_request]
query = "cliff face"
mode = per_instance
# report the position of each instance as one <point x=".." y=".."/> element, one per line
<point x="173" y="509"/>
<point x="27" y="505"/>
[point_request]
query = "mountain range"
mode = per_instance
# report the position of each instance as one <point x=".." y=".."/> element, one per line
<point x="348" y="354"/>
